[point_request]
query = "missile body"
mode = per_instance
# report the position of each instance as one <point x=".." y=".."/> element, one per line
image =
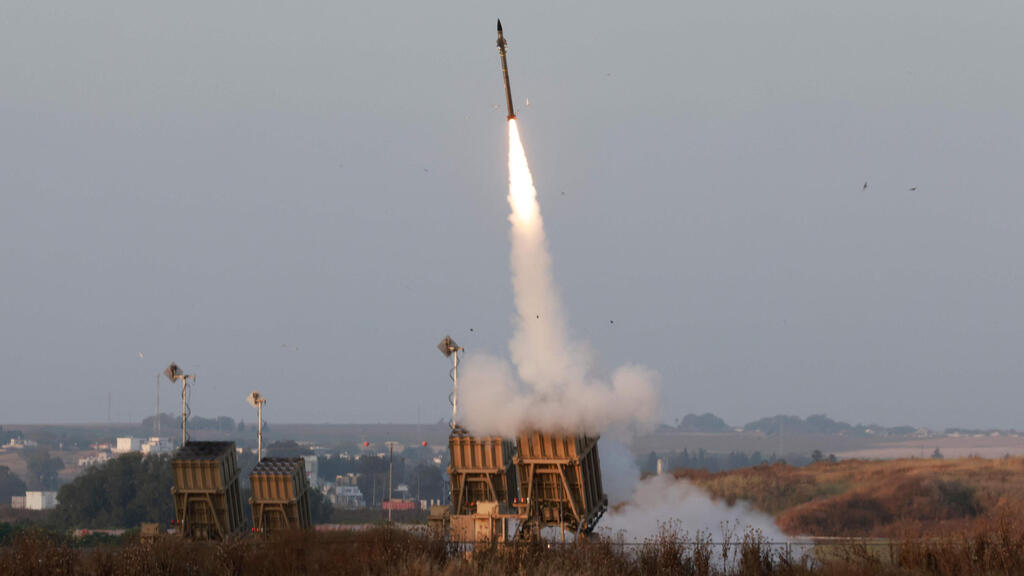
<point x="504" y="72"/>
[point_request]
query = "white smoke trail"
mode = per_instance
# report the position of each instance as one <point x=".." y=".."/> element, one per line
<point x="551" y="389"/>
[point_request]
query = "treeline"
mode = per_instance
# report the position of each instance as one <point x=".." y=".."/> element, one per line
<point x="781" y="424"/>
<point x="6" y="434"/>
<point x="171" y="422"/>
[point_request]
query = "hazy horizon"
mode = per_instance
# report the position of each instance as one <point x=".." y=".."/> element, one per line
<point x="304" y="199"/>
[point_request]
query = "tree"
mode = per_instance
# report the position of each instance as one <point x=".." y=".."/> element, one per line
<point x="120" y="493"/>
<point x="817" y="456"/>
<point x="320" y="508"/>
<point x="10" y="485"/>
<point x="285" y="449"/>
<point x="42" y="469"/>
<point x="707" y="422"/>
<point x="937" y="455"/>
<point x="425" y="481"/>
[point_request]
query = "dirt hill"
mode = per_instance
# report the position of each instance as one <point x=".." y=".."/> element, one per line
<point x="874" y="498"/>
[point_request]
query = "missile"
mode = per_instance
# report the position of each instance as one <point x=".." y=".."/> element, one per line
<point x="504" y="72"/>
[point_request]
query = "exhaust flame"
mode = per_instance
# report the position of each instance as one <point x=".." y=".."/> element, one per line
<point x="522" y="196"/>
<point x="554" y="391"/>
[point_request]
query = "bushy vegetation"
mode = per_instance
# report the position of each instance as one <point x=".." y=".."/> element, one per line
<point x="994" y="545"/>
<point x="884" y="498"/>
<point x="42" y="468"/>
<point x="122" y="492"/>
<point x="10" y="485"/>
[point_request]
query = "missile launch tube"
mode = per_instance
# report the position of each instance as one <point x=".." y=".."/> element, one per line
<point x="504" y="73"/>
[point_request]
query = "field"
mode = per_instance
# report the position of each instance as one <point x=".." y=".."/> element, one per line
<point x="843" y="446"/>
<point x="895" y="498"/>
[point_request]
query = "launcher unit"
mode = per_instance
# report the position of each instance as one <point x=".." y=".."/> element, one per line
<point x="207" y="502"/>
<point x="280" y="495"/>
<point x="541" y="481"/>
<point x="559" y="483"/>
<point x="480" y="471"/>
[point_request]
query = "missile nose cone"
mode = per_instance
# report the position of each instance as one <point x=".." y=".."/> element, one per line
<point x="499" y="24"/>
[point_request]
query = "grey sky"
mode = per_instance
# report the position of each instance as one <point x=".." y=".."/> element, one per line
<point x="206" y="182"/>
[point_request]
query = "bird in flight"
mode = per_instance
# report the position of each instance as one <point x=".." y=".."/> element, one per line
<point x="865" y="185"/>
<point x="912" y="189"/>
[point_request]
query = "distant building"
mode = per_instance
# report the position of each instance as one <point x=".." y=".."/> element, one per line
<point x="128" y="444"/>
<point x="157" y="445"/>
<point x="20" y="443"/>
<point x="18" y="502"/>
<point x="350" y="479"/>
<point x="402" y="492"/>
<point x="40" y="500"/>
<point x="93" y="460"/>
<point x="398" y="505"/>
<point x="349" y="497"/>
<point x="312" y="470"/>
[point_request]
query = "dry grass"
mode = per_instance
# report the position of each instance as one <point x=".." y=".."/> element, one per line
<point x="874" y="498"/>
<point x="995" y="547"/>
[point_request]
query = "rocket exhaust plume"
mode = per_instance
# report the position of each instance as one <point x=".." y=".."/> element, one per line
<point x="550" y="388"/>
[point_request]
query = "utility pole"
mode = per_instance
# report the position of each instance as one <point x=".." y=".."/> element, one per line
<point x="156" y="424"/>
<point x="391" y="462"/>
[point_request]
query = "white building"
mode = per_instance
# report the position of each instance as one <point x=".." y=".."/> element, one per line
<point x="312" y="470"/>
<point x="402" y="493"/>
<point x="349" y="497"/>
<point x="157" y="445"/>
<point x="40" y="500"/>
<point x="128" y="444"/>
<point x="93" y="460"/>
<point x="20" y="443"/>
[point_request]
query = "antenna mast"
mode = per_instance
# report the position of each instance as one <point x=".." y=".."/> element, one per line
<point x="448" y="347"/>
<point x="173" y="373"/>
<point x="258" y="400"/>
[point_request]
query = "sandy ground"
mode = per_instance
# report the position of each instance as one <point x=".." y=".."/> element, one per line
<point x="950" y="447"/>
<point x="13" y="460"/>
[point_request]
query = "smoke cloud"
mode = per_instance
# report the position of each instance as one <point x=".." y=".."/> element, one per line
<point x="639" y="508"/>
<point x="664" y="500"/>
<point x="549" y="385"/>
